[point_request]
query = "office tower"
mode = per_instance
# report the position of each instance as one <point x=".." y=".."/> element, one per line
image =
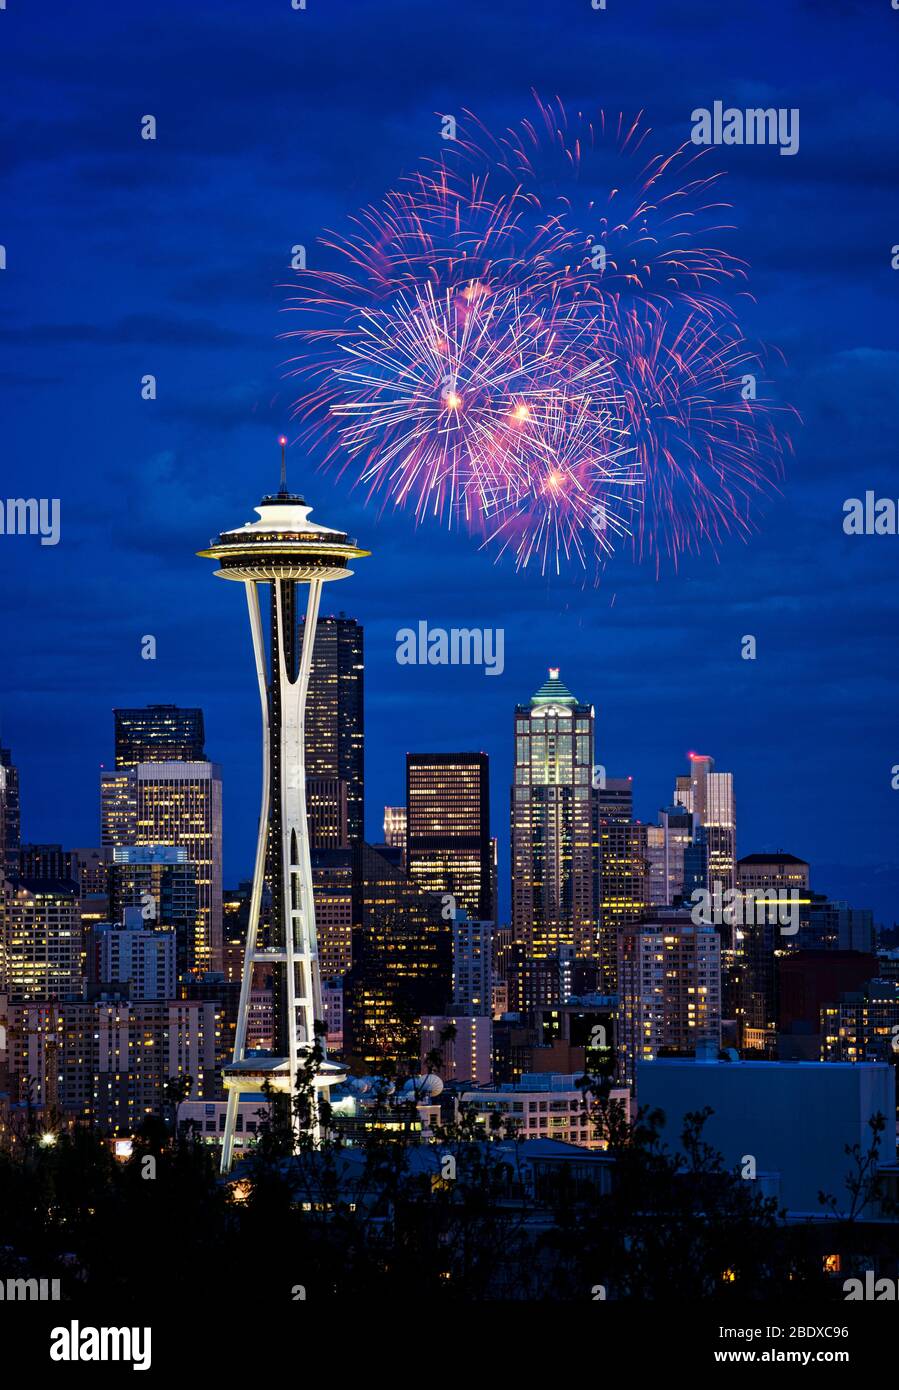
<point x="332" y="888"/>
<point x="42" y="939"/>
<point x="862" y="1025"/>
<point x="334" y="712"/>
<point x="778" y="870"/>
<point x="118" y="807"/>
<point x="463" y="1057"/>
<point x="710" y="797"/>
<point x="472" y="966"/>
<point x="224" y="995"/>
<point x="326" y="802"/>
<point x="615" y="798"/>
<point x="90" y="869"/>
<point x="554" y="862"/>
<point x="134" y="957"/>
<point x="655" y="866"/>
<point x="402" y="964"/>
<point x="85" y="867"/>
<point x="292" y="555"/>
<point x="696" y="865"/>
<point x="395" y="827"/>
<point x="107" y="1060"/>
<point x="332" y="1003"/>
<point x="678" y="828"/>
<point x="12" y="829"/>
<point x="538" y="982"/>
<point x="448" y="827"/>
<point x="45" y="862"/>
<point x="669" y="987"/>
<point x="772" y="887"/>
<point x="624" y="891"/>
<point x="159" y="734"/>
<point x="179" y="804"/>
<point x="162" y="883"/>
<point x="3" y="802"/>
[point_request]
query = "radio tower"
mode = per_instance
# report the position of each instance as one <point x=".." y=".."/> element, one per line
<point x="284" y="550"/>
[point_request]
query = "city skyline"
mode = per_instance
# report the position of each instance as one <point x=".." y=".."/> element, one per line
<point x="659" y="659"/>
<point x="517" y="925"/>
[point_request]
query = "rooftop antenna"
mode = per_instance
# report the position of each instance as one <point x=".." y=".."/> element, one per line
<point x="282" y="440"/>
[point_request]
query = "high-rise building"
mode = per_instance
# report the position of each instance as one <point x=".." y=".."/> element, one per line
<point x="677" y="826"/>
<point x="465" y="1055"/>
<point x="448" y="827"/>
<point x="395" y="827"/>
<point x="542" y="981"/>
<point x="615" y="798"/>
<point x="777" y="870"/>
<point x="118" y="807"/>
<point x="332" y="888"/>
<point x="335" y="713"/>
<point x="90" y="868"/>
<point x="759" y="939"/>
<point x="11" y="827"/>
<point x="402" y="964"/>
<point x="669" y="986"/>
<point x="710" y="797"/>
<point x="40" y="956"/>
<point x="554" y="858"/>
<point x="159" y="734"/>
<point x="133" y="957"/>
<point x="162" y="883"/>
<point x="3" y="801"/>
<point x="180" y="804"/>
<point x="326" y="802"/>
<point x="45" y="861"/>
<point x="472" y="966"/>
<point x="107" y="1060"/>
<point x="291" y="556"/>
<point x="863" y="1025"/>
<point x="655" y="866"/>
<point x="624" y="891"/>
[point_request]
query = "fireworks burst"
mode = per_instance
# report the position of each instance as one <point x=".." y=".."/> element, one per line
<point x="468" y="404"/>
<point x="536" y="333"/>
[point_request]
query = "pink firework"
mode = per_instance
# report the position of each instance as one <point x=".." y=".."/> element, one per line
<point x="555" y="291"/>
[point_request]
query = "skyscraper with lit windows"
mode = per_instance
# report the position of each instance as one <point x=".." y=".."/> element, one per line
<point x="554" y="858"/>
<point x="448" y="827"/>
<point x="335" y="728"/>
<point x="710" y="797"/>
<point x="40" y="940"/>
<point x="180" y="804"/>
<point x="159" y="734"/>
<point x="669" y="987"/>
<point x="10" y="820"/>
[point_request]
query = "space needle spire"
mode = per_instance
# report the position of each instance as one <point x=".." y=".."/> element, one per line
<point x="285" y="552"/>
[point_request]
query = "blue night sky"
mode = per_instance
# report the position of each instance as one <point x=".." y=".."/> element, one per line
<point x="127" y="257"/>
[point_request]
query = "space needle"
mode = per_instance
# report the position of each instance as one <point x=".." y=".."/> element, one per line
<point x="284" y="550"/>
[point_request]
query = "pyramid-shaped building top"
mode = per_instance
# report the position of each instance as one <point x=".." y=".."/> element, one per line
<point x="553" y="691"/>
